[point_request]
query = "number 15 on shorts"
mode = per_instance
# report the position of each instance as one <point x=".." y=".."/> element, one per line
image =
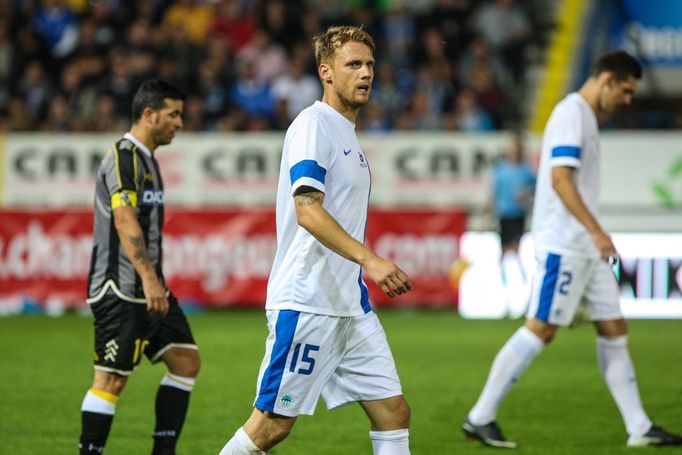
<point x="307" y="362"/>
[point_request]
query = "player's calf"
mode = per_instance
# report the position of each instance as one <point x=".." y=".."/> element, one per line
<point x="172" y="401"/>
<point x="97" y="415"/>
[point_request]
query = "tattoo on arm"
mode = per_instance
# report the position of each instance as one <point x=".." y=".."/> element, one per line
<point x="141" y="251"/>
<point x="306" y="199"/>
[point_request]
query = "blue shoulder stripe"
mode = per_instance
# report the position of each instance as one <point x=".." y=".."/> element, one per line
<point x="566" y="151"/>
<point x="307" y="168"/>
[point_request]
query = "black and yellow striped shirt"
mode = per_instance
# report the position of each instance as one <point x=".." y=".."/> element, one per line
<point x="128" y="175"/>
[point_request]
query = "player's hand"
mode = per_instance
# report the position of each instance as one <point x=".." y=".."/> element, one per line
<point x="604" y="244"/>
<point x="388" y="276"/>
<point x="155" y="294"/>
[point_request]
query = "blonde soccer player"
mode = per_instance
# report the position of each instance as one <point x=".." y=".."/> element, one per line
<point x="324" y="337"/>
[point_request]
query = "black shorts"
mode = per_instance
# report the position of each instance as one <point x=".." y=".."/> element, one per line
<point x="511" y="230"/>
<point x="124" y="331"/>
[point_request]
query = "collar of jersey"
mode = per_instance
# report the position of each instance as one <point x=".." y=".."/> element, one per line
<point x="335" y="113"/>
<point x="582" y="101"/>
<point x="139" y="144"/>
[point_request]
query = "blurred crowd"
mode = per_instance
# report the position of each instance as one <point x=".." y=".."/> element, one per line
<point x="248" y="65"/>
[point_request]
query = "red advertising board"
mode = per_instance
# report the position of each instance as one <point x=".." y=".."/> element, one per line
<point x="424" y="243"/>
<point x="218" y="258"/>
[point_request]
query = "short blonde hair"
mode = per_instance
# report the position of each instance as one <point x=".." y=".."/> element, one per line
<point x="326" y="44"/>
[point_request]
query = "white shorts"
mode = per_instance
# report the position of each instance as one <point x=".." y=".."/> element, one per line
<point x="563" y="282"/>
<point x="344" y="359"/>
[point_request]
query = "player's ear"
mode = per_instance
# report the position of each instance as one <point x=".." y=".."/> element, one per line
<point x="608" y="78"/>
<point x="148" y="114"/>
<point x="325" y="73"/>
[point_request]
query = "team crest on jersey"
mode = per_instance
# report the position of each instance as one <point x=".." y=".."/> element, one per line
<point x="363" y="161"/>
<point x="125" y="199"/>
<point x="152" y="197"/>
<point x="125" y="144"/>
<point x="286" y="401"/>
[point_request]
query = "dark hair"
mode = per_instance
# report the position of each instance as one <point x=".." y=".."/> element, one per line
<point x="620" y="63"/>
<point x="152" y="93"/>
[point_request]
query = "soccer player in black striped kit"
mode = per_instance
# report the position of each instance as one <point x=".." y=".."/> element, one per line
<point x="135" y="313"/>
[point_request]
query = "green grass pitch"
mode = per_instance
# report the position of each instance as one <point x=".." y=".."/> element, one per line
<point x="561" y="406"/>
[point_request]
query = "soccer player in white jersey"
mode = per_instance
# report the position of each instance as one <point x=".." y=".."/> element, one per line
<point x="573" y="253"/>
<point x="324" y="337"/>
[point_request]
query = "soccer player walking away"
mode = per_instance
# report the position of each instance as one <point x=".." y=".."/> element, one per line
<point x="573" y="253"/>
<point x="134" y="311"/>
<point x="324" y="337"/>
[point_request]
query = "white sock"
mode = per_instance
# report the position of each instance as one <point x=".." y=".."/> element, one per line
<point x="616" y="368"/>
<point x="512" y="360"/>
<point x="179" y="382"/>
<point x="241" y="444"/>
<point x="100" y="402"/>
<point x="395" y="442"/>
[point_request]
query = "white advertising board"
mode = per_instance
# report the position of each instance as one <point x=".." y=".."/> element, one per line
<point x="649" y="275"/>
<point x="641" y="172"/>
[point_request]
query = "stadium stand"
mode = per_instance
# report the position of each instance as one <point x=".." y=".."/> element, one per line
<point x="71" y="65"/>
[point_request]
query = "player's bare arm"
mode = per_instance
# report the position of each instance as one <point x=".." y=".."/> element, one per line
<point x="141" y="252"/>
<point x="563" y="184"/>
<point x="132" y="239"/>
<point x="321" y="225"/>
<point x="305" y="199"/>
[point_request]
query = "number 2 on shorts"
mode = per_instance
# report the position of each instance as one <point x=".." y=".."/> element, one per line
<point x="306" y="359"/>
<point x="566" y="277"/>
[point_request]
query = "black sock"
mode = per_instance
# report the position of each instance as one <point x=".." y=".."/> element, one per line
<point x="171" y="408"/>
<point x="94" y="432"/>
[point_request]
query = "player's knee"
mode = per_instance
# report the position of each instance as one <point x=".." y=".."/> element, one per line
<point x="394" y="414"/>
<point x="110" y="383"/>
<point x="266" y="429"/>
<point x="612" y="328"/>
<point x="548" y="336"/>
<point x="278" y="433"/>
<point x="403" y="414"/>
<point x="622" y="327"/>
<point x="188" y="365"/>
<point x="546" y="332"/>
<point x="192" y="365"/>
<point x="118" y="383"/>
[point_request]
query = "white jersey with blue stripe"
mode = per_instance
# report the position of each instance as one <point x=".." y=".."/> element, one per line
<point x="571" y="138"/>
<point x="321" y="150"/>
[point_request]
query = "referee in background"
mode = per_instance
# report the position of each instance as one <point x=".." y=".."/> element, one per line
<point x="134" y="312"/>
